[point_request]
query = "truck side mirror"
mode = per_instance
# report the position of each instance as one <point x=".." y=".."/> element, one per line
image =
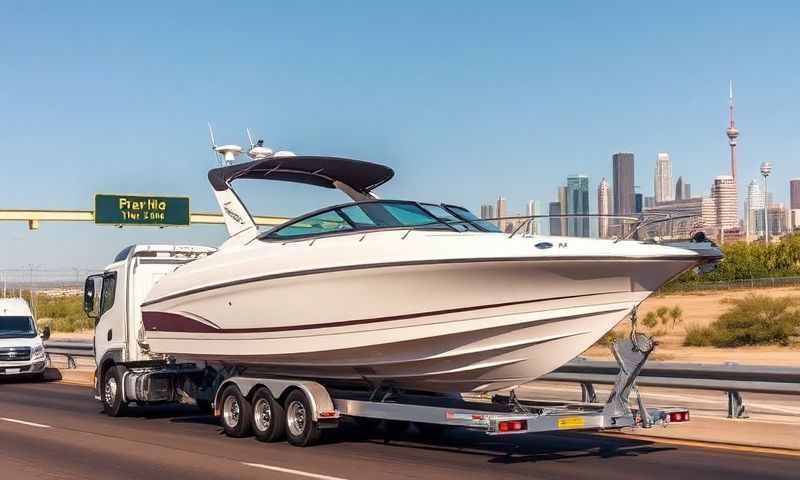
<point x="46" y="333"/>
<point x="90" y="303"/>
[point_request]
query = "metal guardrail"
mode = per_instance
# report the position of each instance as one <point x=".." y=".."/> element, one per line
<point x="731" y="378"/>
<point x="71" y="350"/>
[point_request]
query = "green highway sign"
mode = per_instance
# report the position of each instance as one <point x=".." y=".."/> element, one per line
<point x="140" y="210"/>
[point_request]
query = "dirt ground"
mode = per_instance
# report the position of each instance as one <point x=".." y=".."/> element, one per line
<point x="702" y="308"/>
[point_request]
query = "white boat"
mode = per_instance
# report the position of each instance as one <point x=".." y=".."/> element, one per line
<point x="397" y="293"/>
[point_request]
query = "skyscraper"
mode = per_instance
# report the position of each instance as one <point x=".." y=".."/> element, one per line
<point x="603" y="207"/>
<point x="683" y="191"/>
<point x="723" y="193"/>
<point x="663" y="178"/>
<point x="794" y="203"/>
<point x="754" y="210"/>
<point x="638" y="203"/>
<point x="794" y="193"/>
<point x="555" y="222"/>
<point x="487" y="210"/>
<point x="578" y="204"/>
<point x="534" y="207"/>
<point x="623" y="196"/>
<point x="502" y="211"/>
<point x="563" y="201"/>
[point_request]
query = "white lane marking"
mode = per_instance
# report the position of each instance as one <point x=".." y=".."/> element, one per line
<point x="21" y="422"/>
<point x="292" y="472"/>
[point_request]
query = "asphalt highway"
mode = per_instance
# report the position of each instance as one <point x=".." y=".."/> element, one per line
<point x="53" y="430"/>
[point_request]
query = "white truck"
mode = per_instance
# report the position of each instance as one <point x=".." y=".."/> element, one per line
<point x="300" y="409"/>
<point x="21" y="346"/>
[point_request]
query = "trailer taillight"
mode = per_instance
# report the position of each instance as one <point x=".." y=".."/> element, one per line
<point x="512" y="425"/>
<point x="679" y="416"/>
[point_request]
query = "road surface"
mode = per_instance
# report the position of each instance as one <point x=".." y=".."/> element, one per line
<point x="53" y="430"/>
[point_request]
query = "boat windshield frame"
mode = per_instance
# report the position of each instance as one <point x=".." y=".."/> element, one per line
<point x="436" y="223"/>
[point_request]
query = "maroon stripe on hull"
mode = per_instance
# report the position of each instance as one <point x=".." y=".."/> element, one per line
<point x="171" y="322"/>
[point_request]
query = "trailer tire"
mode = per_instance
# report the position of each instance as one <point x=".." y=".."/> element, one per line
<point x="269" y="418"/>
<point x="235" y="412"/>
<point x="301" y="430"/>
<point x="111" y="392"/>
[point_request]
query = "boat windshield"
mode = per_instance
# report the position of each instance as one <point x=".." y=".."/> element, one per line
<point x="17" y="326"/>
<point x="465" y="214"/>
<point x="374" y="215"/>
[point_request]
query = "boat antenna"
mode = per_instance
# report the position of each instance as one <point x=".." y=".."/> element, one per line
<point x="217" y="155"/>
<point x="257" y="150"/>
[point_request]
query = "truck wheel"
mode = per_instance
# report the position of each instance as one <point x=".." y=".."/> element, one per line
<point x="236" y="412"/>
<point x="269" y="419"/>
<point x="111" y="393"/>
<point x="301" y="430"/>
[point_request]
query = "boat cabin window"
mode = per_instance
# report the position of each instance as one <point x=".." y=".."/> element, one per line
<point x="465" y="214"/>
<point x="325" y="222"/>
<point x="446" y="216"/>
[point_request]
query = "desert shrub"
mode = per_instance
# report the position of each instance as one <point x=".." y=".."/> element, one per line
<point x="676" y="315"/>
<point x="753" y="320"/>
<point x="62" y="314"/>
<point x="697" y="336"/>
<point x="650" y="320"/>
<point x="661" y="313"/>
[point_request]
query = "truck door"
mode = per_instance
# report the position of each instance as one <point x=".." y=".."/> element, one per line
<point x="106" y="302"/>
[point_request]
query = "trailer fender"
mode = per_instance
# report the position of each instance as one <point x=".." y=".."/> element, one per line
<point x="321" y="402"/>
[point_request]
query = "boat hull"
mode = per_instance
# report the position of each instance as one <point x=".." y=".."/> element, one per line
<point x="449" y="326"/>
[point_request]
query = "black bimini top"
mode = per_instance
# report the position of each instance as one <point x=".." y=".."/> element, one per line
<point x="313" y="170"/>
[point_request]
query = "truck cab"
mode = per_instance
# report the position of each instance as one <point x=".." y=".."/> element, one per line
<point x="113" y="299"/>
<point x="21" y="346"/>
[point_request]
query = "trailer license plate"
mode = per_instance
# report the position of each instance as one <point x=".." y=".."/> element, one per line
<point x="570" y="422"/>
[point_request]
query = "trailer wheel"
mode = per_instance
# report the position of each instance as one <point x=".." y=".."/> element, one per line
<point x="301" y="430"/>
<point x="236" y="412"/>
<point x="111" y="393"/>
<point x="269" y="418"/>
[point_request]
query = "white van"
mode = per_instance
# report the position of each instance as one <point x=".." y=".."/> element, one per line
<point x="21" y="347"/>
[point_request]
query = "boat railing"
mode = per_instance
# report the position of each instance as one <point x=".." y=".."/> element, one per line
<point x="646" y="226"/>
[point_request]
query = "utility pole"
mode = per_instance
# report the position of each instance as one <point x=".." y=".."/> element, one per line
<point x="766" y="169"/>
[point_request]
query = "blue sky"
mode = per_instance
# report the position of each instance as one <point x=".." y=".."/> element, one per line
<point x="465" y="100"/>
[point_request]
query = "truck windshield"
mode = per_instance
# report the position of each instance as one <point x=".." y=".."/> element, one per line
<point x="17" y="326"/>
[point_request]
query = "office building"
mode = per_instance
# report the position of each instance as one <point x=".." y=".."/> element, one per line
<point x="688" y="215"/>
<point x="683" y="191"/>
<point x="603" y="207"/>
<point x="534" y="208"/>
<point x="623" y="182"/>
<point x="794" y="203"/>
<point x="663" y="179"/>
<point x="555" y="222"/>
<point x="723" y="193"/>
<point x="502" y="212"/>
<point x="563" y="201"/>
<point x="638" y="203"/>
<point x="578" y="204"/>
<point x="487" y="210"/>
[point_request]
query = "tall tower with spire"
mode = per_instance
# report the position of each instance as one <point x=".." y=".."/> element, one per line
<point x="732" y="132"/>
